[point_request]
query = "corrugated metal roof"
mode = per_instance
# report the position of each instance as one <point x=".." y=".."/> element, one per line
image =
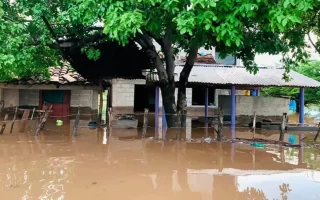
<point x="240" y="76"/>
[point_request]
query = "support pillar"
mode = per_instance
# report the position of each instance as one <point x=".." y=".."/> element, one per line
<point x="233" y="106"/>
<point x="301" y="110"/>
<point x="233" y="136"/>
<point x="206" y="102"/>
<point x="156" y="111"/>
<point x="257" y="92"/>
<point x="164" y="123"/>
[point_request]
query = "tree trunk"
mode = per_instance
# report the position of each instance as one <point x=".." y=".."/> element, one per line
<point x="168" y="101"/>
<point x="183" y="80"/>
<point x="168" y="91"/>
<point x="166" y="75"/>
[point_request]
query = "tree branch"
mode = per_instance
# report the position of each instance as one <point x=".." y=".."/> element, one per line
<point x="313" y="44"/>
<point x="146" y="43"/>
<point x="64" y="54"/>
<point x="167" y="50"/>
<point x="191" y="58"/>
<point x="183" y="80"/>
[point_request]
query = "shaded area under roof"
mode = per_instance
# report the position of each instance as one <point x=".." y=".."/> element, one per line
<point x="215" y="75"/>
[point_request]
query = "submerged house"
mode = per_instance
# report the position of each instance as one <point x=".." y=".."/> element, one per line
<point x="64" y="88"/>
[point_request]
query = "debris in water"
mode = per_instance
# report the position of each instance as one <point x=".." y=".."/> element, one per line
<point x="207" y="140"/>
<point x="257" y="144"/>
<point x="59" y="122"/>
<point x="94" y="183"/>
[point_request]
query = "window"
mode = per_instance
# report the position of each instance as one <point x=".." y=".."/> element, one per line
<point x="198" y="96"/>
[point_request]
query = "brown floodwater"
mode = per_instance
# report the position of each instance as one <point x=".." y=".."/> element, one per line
<point x="98" y="164"/>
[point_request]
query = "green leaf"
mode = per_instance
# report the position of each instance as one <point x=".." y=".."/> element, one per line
<point x="183" y="30"/>
<point x="286" y="3"/>
<point x="223" y="32"/>
<point x="228" y="42"/>
<point x="285" y="21"/>
<point x="279" y="18"/>
<point x="238" y="42"/>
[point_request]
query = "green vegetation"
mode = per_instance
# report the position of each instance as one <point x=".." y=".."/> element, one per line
<point x="312" y="95"/>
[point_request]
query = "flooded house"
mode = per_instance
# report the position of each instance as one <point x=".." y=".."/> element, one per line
<point x="65" y="89"/>
<point x="212" y="84"/>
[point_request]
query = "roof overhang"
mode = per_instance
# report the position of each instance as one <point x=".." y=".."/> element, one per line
<point x="224" y="77"/>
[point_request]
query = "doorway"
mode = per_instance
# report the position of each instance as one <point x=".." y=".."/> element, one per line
<point x="144" y="97"/>
<point x="60" y="100"/>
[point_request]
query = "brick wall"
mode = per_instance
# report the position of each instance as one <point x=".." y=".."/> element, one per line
<point x="84" y="98"/>
<point x="123" y="94"/>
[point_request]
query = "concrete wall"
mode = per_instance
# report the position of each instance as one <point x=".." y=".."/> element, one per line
<point x="28" y="97"/>
<point x="123" y="97"/>
<point x="87" y="100"/>
<point x="11" y="97"/>
<point x="123" y="94"/>
<point x="263" y="106"/>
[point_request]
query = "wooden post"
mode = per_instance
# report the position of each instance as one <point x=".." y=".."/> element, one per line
<point x="283" y="126"/>
<point x="24" y="118"/>
<point x="43" y="120"/>
<point x="76" y="123"/>
<point x="32" y="113"/>
<point x="1" y="104"/>
<point x="101" y="102"/>
<point x="178" y="124"/>
<point x="109" y="117"/>
<point x="317" y="135"/>
<point x="254" y="120"/>
<point x="4" y="123"/>
<point x="145" y="122"/>
<point x="254" y="124"/>
<point x="25" y="115"/>
<point x="220" y="124"/>
<point x="14" y="119"/>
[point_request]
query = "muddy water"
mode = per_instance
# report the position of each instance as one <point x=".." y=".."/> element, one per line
<point x="95" y="165"/>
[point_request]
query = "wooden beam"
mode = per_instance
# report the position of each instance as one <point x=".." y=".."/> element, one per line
<point x="69" y="78"/>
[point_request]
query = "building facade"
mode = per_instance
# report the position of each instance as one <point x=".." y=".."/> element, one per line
<point x="65" y="89"/>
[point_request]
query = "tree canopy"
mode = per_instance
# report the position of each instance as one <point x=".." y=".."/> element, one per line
<point x="36" y="34"/>
<point x="312" y="95"/>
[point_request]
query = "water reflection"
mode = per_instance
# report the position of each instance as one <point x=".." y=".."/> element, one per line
<point x="98" y="164"/>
